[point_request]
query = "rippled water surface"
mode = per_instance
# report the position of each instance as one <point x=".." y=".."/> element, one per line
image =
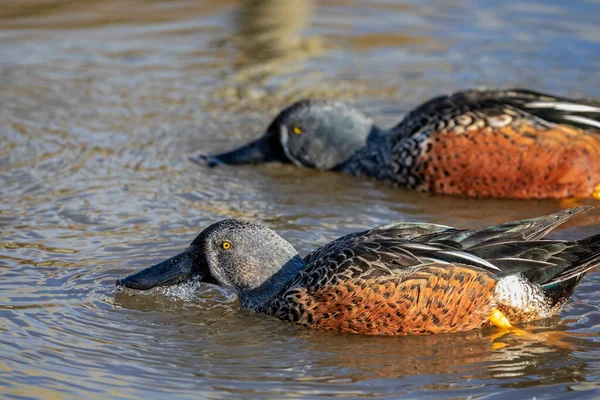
<point x="102" y="102"/>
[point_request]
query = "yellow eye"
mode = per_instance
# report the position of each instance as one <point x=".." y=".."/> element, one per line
<point x="297" y="130"/>
<point x="226" y="245"/>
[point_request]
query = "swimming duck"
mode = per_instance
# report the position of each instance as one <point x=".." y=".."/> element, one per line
<point x="399" y="279"/>
<point x="479" y="143"/>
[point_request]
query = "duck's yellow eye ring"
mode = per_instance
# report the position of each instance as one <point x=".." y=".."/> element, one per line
<point x="226" y="245"/>
<point x="297" y="130"/>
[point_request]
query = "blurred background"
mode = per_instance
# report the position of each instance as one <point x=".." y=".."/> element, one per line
<point x="102" y="102"/>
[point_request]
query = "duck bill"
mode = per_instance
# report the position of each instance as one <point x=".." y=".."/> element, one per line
<point x="167" y="273"/>
<point x="262" y="150"/>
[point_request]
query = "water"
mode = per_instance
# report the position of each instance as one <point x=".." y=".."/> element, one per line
<point x="101" y="103"/>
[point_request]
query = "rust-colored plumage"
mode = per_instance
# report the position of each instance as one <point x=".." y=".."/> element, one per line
<point x="429" y="300"/>
<point x="520" y="160"/>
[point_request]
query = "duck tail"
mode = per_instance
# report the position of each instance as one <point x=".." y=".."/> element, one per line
<point x="561" y="286"/>
<point x="527" y="230"/>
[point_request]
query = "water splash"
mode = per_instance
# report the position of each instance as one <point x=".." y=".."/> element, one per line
<point x="182" y="291"/>
<point x="185" y="290"/>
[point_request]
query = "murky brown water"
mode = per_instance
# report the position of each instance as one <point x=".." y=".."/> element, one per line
<point x="101" y="103"/>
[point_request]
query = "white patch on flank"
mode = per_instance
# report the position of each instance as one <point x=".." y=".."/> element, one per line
<point x="284" y="139"/>
<point x="515" y="292"/>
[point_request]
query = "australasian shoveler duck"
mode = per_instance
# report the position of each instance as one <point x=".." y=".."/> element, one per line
<point x="479" y="143"/>
<point x="399" y="279"/>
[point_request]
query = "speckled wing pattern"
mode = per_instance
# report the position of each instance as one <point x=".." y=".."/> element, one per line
<point x="399" y="230"/>
<point x="483" y="143"/>
<point x="405" y="279"/>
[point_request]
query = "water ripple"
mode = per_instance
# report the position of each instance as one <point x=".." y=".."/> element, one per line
<point x="100" y="109"/>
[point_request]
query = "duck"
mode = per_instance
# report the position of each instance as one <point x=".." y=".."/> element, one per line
<point x="482" y="143"/>
<point x="405" y="278"/>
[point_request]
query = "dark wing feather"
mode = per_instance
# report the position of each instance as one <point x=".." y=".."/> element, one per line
<point x="519" y="248"/>
<point x="398" y="230"/>
<point x="538" y="261"/>
<point x="588" y="247"/>
<point x="523" y="230"/>
<point x="501" y="250"/>
<point x="581" y="113"/>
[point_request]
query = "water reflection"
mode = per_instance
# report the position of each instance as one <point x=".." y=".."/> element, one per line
<point x="269" y="29"/>
<point x="468" y="354"/>
<point x="268" y="45"/>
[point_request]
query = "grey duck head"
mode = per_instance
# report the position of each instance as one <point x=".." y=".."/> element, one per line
<point x="245" y="256"/>
<point x="310" y="133"/>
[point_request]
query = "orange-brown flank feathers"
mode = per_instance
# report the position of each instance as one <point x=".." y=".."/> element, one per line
<point x="430" y="300"/>
<point x="520" y="160"/>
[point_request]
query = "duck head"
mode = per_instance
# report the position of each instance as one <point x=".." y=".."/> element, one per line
<point x="310" y="133"/>
<point x="247" y="257"/>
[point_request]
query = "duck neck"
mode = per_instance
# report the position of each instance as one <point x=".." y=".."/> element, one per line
<point x="370" y="159"/>
<point x="377" y="135"/>
<point x="257" y="297"/>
